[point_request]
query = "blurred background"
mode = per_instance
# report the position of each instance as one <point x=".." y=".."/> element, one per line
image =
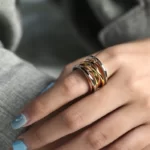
<point x="55" y="34"/>
<point x="49" y="42"/>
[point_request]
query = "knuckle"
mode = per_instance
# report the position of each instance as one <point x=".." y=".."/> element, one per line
<point x="69" y="84"/>
<point x="38" y="137"/>
<point x="67" y="68"/>
<point x="39" y="107"/>
<point x="147" y="104"/>
<point x="133" y="85"/>
<point x="116" y="55"/>
<point x="97" y="141"/>
<point x="73" y="121"/>
<point x="115" y="50"/>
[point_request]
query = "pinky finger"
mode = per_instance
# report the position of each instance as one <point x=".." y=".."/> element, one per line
<point x="137" y="139"/>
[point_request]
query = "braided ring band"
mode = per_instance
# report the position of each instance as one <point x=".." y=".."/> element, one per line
<point x="94" y="71"/>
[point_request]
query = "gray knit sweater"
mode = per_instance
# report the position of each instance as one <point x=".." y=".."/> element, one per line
<point x="20" y="82"/>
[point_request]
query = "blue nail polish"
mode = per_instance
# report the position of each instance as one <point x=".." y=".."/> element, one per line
<point x="48" y="87"/>
<point x="19" y="145"/>
<point x="19" y="122"/>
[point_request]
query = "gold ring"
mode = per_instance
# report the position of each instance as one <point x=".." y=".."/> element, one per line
<point x="102" y="68"/>
<point x="95" y="72"/>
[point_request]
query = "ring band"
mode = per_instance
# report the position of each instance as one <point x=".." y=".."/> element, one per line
<point x="102" y="68"/>
<point x="94" y="71"/>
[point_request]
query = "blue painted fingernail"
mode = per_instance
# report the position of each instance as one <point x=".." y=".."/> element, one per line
<point x="48" y="87"/>
<point x="19" y="122"/>
<point x="19" y="145"/>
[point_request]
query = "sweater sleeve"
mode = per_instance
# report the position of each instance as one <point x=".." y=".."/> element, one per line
<point x="20" y="82"/>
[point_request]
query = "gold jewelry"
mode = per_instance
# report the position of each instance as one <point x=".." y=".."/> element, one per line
<point x="96" y="68"/>
<point x="87" y="75"/>
<point x="94" y="71"/>
<point x="100" y="65"/>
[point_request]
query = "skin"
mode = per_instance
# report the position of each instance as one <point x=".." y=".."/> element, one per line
<point x="115" y="117"/>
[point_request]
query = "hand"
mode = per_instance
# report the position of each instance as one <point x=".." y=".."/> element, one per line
<point x="116" y="117"/>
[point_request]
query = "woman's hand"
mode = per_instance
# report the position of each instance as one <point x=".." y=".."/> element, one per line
<point x="115" y="117"/>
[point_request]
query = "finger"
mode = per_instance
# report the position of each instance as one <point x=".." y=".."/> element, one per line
<point x="79" y="115"/>
<point x="59" y="142"/>
<point x="108" y="130"/>
<point x="63" y="92"/>
<point x="137" y="139"/>
<point x="55" y="144"/>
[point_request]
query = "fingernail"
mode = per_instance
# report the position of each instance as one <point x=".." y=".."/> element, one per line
<point x="48" y="87"/>
<point x="19" y="122"/>
<point x="19" y="145"/>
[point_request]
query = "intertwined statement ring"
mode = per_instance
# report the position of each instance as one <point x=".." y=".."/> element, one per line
<point x="94" y="71"/>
